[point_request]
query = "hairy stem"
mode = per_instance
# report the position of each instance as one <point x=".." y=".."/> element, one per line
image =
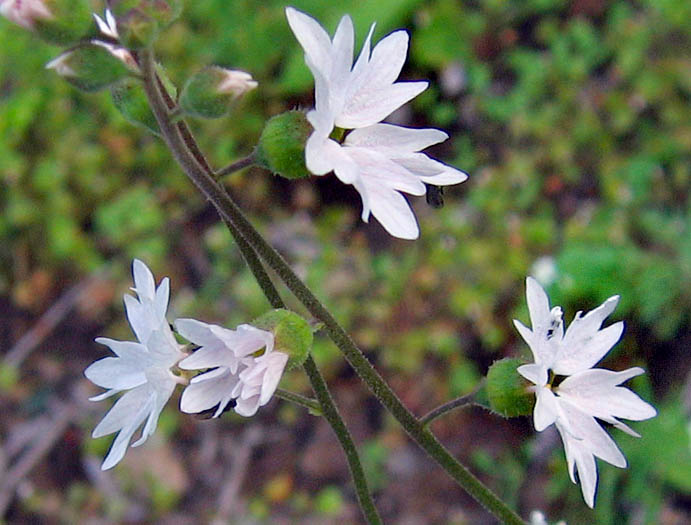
<point x="190" y="158"/>
<point x="235" y="166"/>
<point x="441" y="410"/>
<point x="307" y="402"/>
<point x="229" y="210"/>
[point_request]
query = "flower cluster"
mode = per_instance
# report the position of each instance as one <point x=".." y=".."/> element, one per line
<point x="379" y="160"/>
<point x="571" y="393"/>
<point x="244" y="366"/>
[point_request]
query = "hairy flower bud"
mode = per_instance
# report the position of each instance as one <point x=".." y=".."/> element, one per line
<point x="131" y="101"/>
<point x="292" y="334"/>
<point x="509" y="394"/>
<point x="164" y="12"/>
<point x="93" y="66"/>
<point x="211" y="92"/>
<point x="56" y="21"/>
<point x="281" y="147"/>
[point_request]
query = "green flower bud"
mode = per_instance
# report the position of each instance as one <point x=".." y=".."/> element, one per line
<point x="292" y="334"/>
<point x="137" y="29"/>
<point x="281" y="147"/>
<point x="211" y="92"/>
<point x="131" y="101"/>
<point x="164" y="12"/>
<point x="508" y="392"/>
<point x="93" y="66"/>
<point x="57" y="21"/>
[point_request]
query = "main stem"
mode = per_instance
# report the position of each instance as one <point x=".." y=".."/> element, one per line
<point x="178" y="139"/>
<point x="232" y="213"/>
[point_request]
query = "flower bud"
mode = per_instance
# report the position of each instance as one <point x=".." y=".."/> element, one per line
<point x="56" y="21"/>
<point x="210" y="93"/>
<point x="93" y="66"/>
<point x="292" y="334"/>
<point x="137" y="29"/>
<point x="130" y="99"/>
<point x="164" y="12"/>
<point x="508" y="392"/>
<point x="281" y="147"/>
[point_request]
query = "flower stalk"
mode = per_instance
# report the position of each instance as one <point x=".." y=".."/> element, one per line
<point x="232" y="214"/>
<point x="191" y="160"/>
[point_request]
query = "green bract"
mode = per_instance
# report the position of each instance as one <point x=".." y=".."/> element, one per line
<point x="91" y="67"/>
<point x="281" y="147"/>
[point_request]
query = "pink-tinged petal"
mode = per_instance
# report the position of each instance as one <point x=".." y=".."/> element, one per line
<point x="115" y="373"/>
<point x="584" y="350"/>
<point x="391" y="138"/>
<point x="393" y="212"/>
<point x="312" y="37"/>
<point x="546" y="409"/>
<point x="371" y="107"/>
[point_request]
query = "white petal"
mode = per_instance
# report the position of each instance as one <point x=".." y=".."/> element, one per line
<point x="342" y="52"/>
<point x="247" y="407"/>
<point x="195" y="331"/>
<point x="205" y="394"/>
<point x="431" y="171"/>
<point x="374" y="106"/>
<point x="210" y="356"/>
<point x="115" y="373"/>
<point x="534" y="373"/>
<point x="593" y="435"/>
<point x="582" y="350"/>
<point x="595" y="392"/>
<point x="124" y="411"/>
<point x="376" y="170"/>
<point x="144" y="283"/>
<point x="546" y="409"/>
<point x="579" y="457"/>
<point x="391" y="138"/>
<point x="276" y="362"/>
<point x="312" y="37"/>
<point x="393" y="212"/>
<point x="538" y="306"/>
<point x="387" y="60"/>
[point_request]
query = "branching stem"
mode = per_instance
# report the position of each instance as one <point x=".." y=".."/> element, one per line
<point x="230" y="212"/>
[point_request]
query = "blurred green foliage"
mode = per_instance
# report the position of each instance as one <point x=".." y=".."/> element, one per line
<point x="571" y="117"/>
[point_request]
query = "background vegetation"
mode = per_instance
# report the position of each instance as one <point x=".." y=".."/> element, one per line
<point x="572" y="118"/>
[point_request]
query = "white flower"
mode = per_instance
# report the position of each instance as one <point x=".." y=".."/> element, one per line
<point x="143" y="368"/>
<point x="235" y="82"/>
<point x="109" y="26"/>
<point x="380" y="160"/>
<point x="25" y="12"/>
<point x="236" y="373"/>
<point x="586" y="393"/>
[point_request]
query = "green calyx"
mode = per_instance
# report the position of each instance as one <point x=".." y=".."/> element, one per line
<point x="129" y="98"/>
<point x="202" y="97"/>
<point x="292" y="334"/>
<point x="281" y="147"/>
<point x="507" y="391"/>
<point x="137" y="29"/>
<point x="90" y="67"/>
